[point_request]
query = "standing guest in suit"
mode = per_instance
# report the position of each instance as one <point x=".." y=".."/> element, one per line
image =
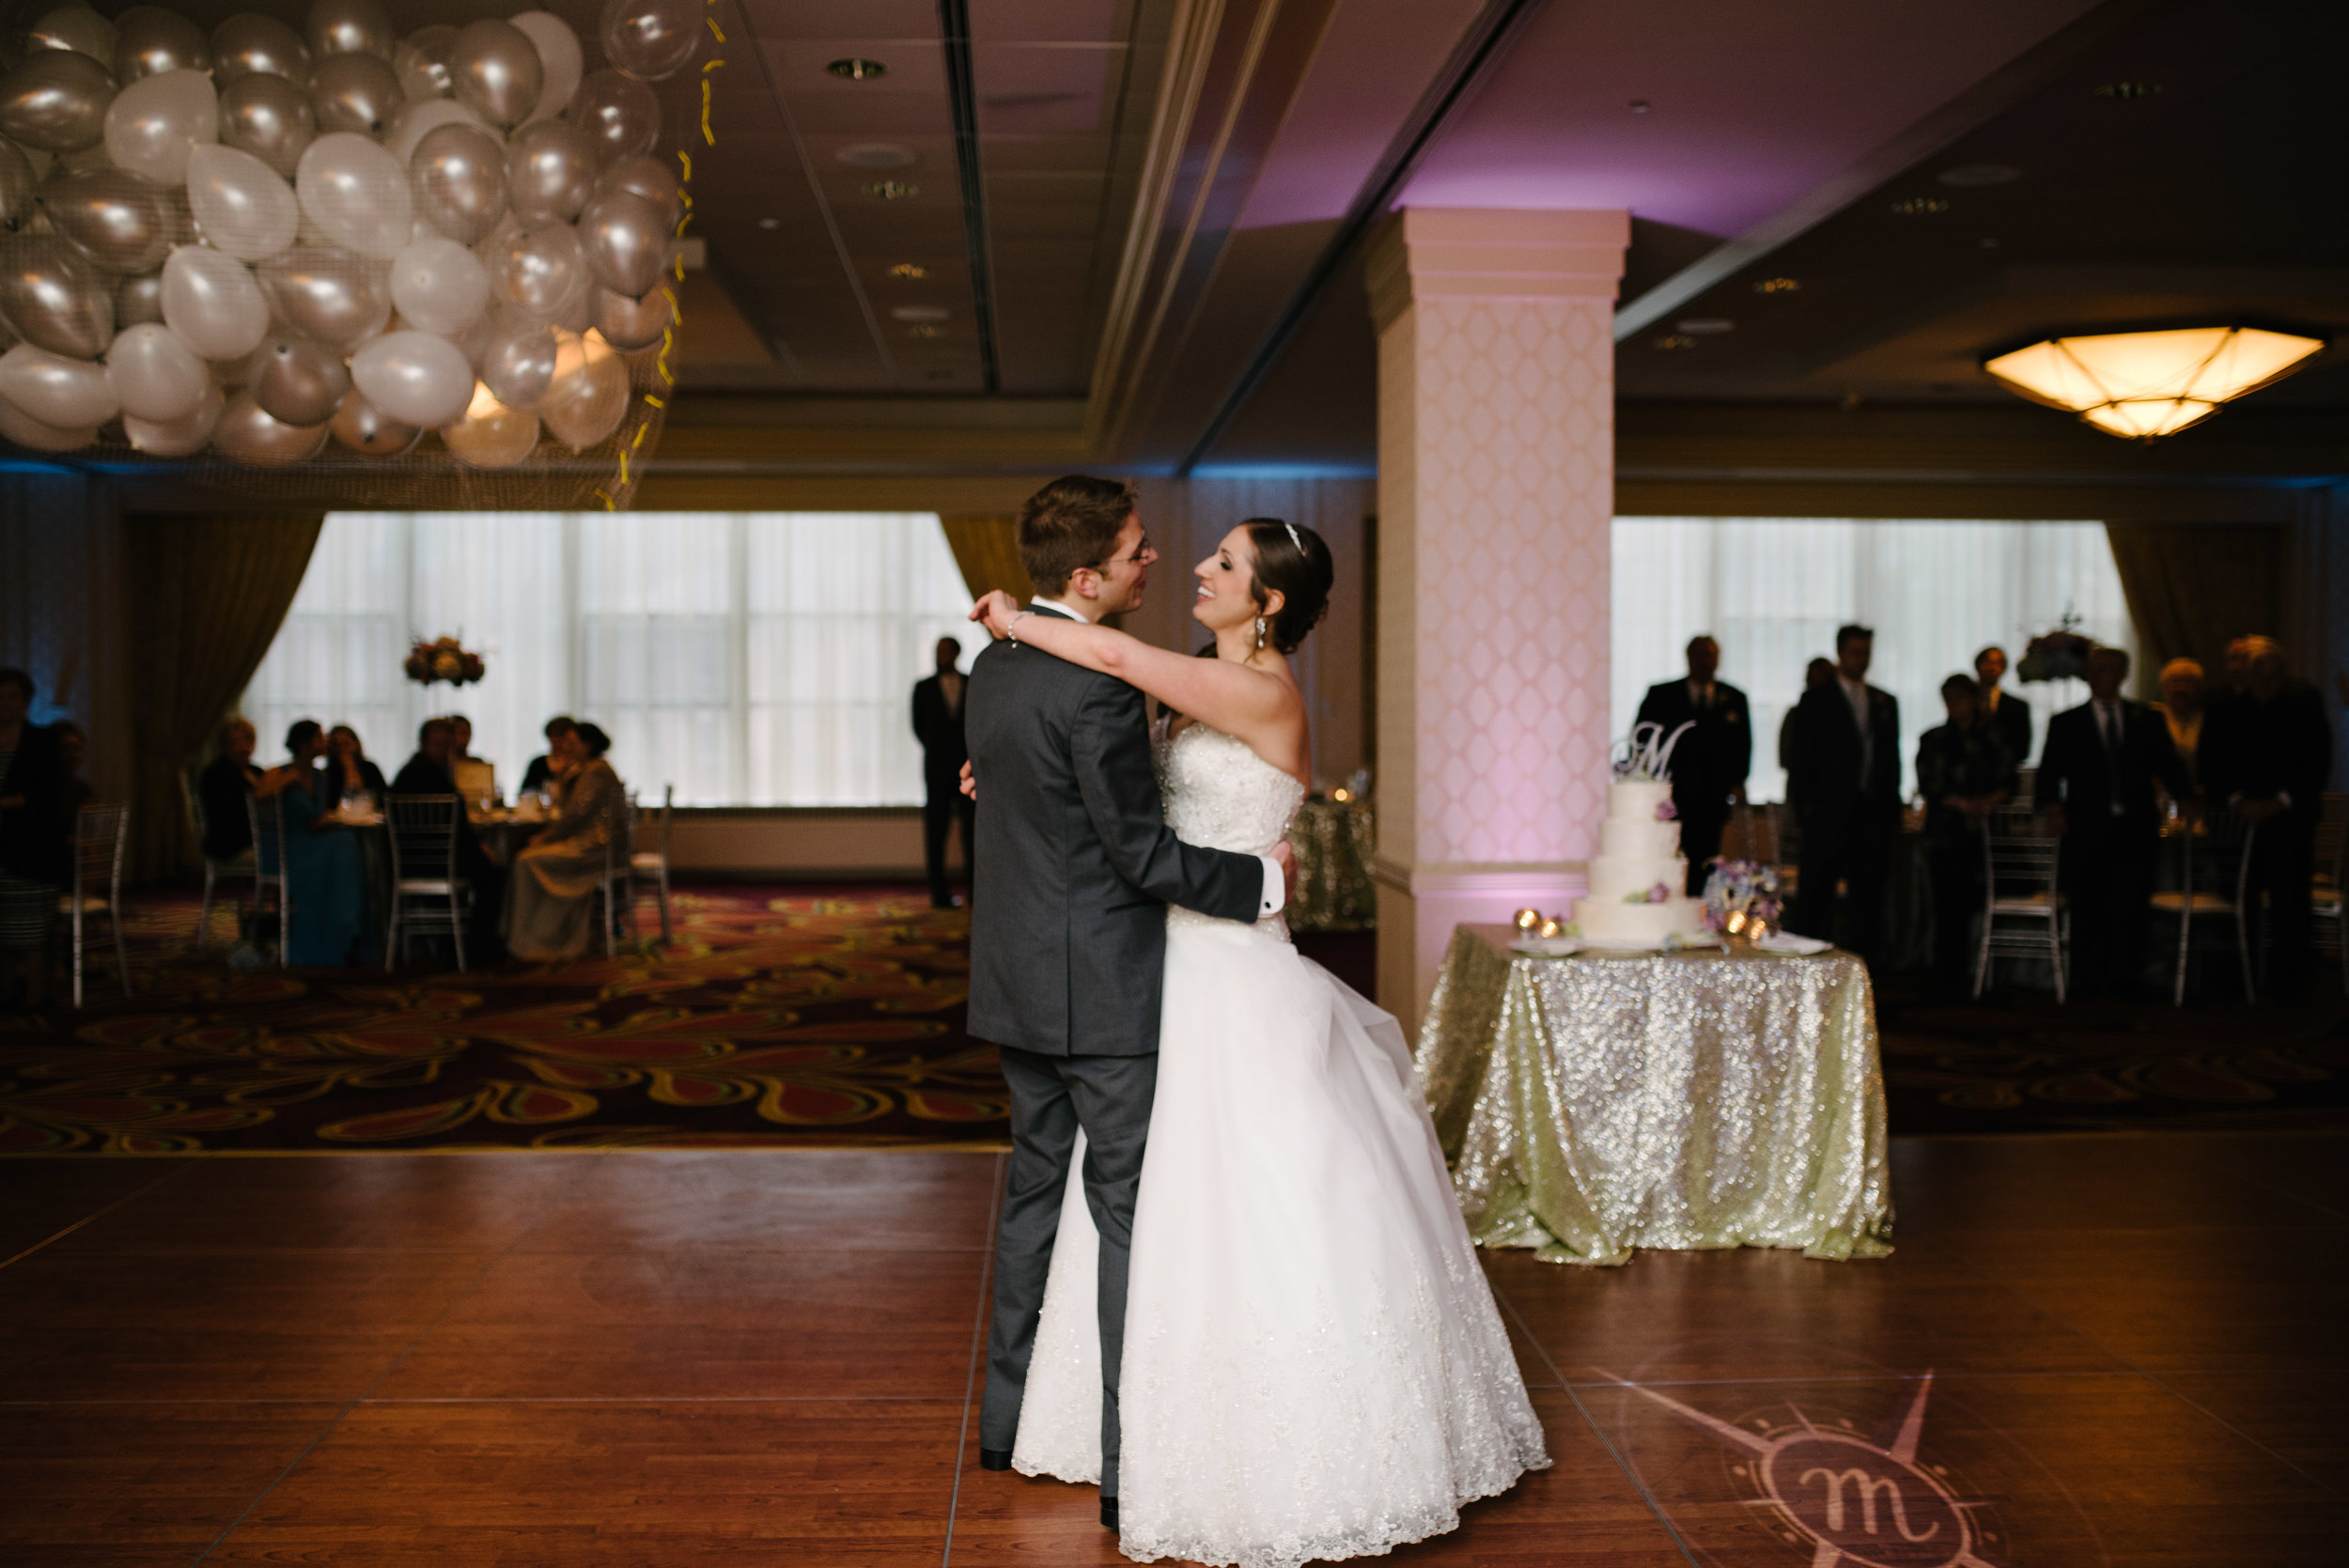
<point x="222" y="787"/>
<point x="1814" y="674"/>
<point x="538" y="778"/>
<point x="1710" y="764"/>
<point x="2008" y="714"/>
<point x="938" y="724"/>
<point x="2096" y="788"/>
<point x="1965" y="773"/>
<point x="2180" y="709"/>
<point x="2269" y="753"/>
<point x="36" y="843"/>
<point x="1846" y="780"/>
<point x="427" y="773"/>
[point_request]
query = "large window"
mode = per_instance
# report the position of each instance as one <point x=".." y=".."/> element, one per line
<point x="1773" y="590"/>
<point x="752" y="659"/>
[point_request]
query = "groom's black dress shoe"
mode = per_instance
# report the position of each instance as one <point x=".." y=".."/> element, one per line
<point x="994" y="1459"/>
<point x="1108" y="1513"/>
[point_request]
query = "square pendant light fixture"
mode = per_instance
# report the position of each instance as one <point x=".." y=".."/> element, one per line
<point x="2142" y="386"/>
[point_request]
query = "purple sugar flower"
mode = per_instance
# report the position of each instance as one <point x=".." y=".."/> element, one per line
<point x="1667" y="812"/>
<point x="1659" y="894"/>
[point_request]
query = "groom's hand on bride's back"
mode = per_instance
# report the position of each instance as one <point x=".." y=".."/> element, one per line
<point x="1286" y="858"/>
<point x="970" y="781"/>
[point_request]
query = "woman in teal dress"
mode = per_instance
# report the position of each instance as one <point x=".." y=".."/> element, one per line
<point x="326" y="872"/>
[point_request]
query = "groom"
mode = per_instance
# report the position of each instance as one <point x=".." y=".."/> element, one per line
<point x="1068" y="929"/>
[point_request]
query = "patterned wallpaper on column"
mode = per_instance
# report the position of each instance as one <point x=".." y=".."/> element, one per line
<point x="1515" y="496"/>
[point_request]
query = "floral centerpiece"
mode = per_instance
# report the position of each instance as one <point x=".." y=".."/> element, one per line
<point x="445" y="660"/>
<point x="1741" y="899"/>
<point x="2058" y="655"/>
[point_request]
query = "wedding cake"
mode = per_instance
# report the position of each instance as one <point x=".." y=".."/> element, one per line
<point x="1638" y="853"/>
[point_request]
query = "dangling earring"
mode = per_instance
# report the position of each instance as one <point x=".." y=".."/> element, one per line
<point x="1260" y="634"/>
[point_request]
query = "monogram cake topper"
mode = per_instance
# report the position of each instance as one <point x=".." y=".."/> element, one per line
<point x="1646" y="752"/>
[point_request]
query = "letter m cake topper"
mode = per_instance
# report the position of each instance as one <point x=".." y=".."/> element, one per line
<point x="1646" y="752"/>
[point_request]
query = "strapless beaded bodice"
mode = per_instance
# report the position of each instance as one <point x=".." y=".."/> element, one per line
<point x="1220" y="795"/>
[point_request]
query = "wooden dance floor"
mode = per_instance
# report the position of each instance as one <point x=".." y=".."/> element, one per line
<point x="2088" y="1350"/>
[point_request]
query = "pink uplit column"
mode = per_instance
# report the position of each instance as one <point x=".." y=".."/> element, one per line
<point x="1495" y="489"/>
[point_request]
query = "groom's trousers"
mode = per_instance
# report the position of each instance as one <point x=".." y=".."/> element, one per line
<point x="1051" y="1097"/>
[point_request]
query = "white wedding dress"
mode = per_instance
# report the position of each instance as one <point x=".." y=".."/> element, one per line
<point x="1314" y="1367"/>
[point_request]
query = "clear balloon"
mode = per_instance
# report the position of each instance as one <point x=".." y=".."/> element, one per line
<point x="357" y="193"/>
<point x="241" y="204"/>
<point x="155" y="122"/>
<point x="348" y="27"/>
<point x="558" y="55"/>
<point x="438" y="284"/>
<point x="629" y="324"/>
<point x="422" y="61"/>
<point x="117" y="219"/>
<point x="496" y="71"/>
<point x="541" y="270"/>
<point x="298" y="380"/>
<point x="625" y="242"/>
<point x="178" y="438"/>
<point x="212" y="304"/>
<point x="457" y="180"/>
<point x="363" y="428"/>
<point x="55" y="101"/>
<point x="414" y="376"/>
<point x="619" y="113"/>
<point x="490" y="435"/>
<point x="328" y="294"/>
<point x="68" y="393"/>
<point x="250" y="434"/>
<point x="77" y="27"/>
<point x="54" y="298"/>
<point x="38" y="435"/>
<point x="269" y="117"/>
<point x="139" y="299"/>
<point x="355" y="92"/>
<point x="589" y="397"/>
<point x="550" y="170"/>
<point x="248" y="45"/>
<point x="16" y="189"/>
<point x="419" y="120"/>
<point x="149" y="40"/>
<point x="518" y="365"/>
<point x="652" y="39"/>
<point x="650" y="179"/>
<point x="155" y="376"/>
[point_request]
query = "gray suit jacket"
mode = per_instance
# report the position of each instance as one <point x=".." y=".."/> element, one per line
<point x="1077" y="863"/>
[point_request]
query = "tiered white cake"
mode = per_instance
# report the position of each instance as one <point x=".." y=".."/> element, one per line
<point x="1634" y="853"/>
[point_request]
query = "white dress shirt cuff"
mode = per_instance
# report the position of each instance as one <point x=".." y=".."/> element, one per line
<point x="1276" y="889"/>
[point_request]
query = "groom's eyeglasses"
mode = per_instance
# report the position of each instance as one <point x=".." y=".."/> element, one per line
<point x="1144" y="555"/>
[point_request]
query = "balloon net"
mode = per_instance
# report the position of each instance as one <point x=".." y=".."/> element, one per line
<point x="326" y="256"/>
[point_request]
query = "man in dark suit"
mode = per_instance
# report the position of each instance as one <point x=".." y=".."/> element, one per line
<point x="2269" y="753"/>
<point x="938" y="724"/>
<point x="2096" y="788"/>
<point x="2003" y="711"/>
<point x="1846" y="781"/>
<point x="223" y="787"/>
<point x="1818" y="673"/>
<point x="1709" y="763"/>
<point x="429" y="772"/>
<point x="1068" y="931"/>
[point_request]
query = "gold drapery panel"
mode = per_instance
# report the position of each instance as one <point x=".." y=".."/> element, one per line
<point x="986" y="548"/>
<point x="207" y="595"/>
<point x="2194" y="588"/>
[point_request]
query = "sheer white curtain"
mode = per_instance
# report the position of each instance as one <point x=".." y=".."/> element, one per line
<point x="1773" y="590"/>
<point x="752" y="659"/>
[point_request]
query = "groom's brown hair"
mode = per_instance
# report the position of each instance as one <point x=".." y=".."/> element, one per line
<point x="1069" y="524"/>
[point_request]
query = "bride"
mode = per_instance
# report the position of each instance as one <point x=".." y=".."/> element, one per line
<point x="1313" y="1365"/>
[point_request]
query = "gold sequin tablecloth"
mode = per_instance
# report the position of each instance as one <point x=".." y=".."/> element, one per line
<point x="1333" y="841"/>
<point x="1596" y="1105"/>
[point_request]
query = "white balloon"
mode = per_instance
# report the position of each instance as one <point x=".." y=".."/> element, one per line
<point x="414" y="122"/>
<point x="155" y="122"/>
<point x="39" y="434"/>
<point x="357" y="193"/>
<point x="491" y="435"/>
<point x="414" y="376"/>
<point x="212" y="304"/>
<point x="177" y="438"/>
<point x="559" y="53"/>
<point x="241" y="204"/>
<point x="157" y="378"/>
<point x="67" y="392"/>
<point x="439" y="286"/>
<point x="589" y="397"/>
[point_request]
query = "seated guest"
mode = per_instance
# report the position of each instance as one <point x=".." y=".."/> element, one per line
<point x="72" y="751"/>
<point x="1817" y="674"/>
<point x="36" y="843"/>
<point x="348" y="771"/>
<point x="325" y="871"/>
<point x="2096" y="788"/>
<point x="2008" y="714"/>
<point x="2180" y="709"/>
<point x="2269" y="754"/>
<point x="1710" y="762"/>
<point x="549" y="911"/>
<point x="426" y="773"/>
<point x="1965" y="773"/>
<point x="460" y="732"/>
<point x="221" y="788"/>
<point x="538" y="778"/>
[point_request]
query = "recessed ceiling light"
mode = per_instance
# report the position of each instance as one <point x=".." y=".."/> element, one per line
<point x="1778" y="286"/>
<point x="1919" y="207"/>
<point x="1988" y="244"/>
<point x="876" y="155"/>
<point x="2123" y="91"/>
<point x="921" y="313"/>
<point x="924" y="330"/>
<point x="770" y="223"/>
<point x="1705" y="326"/>
<point x="908" y="269"/>
<point x="854" y="69"/>
<point x="1675" y="342"/>
<point x="1639" y="106"/>
<point x="892" y="190"/>
<point x="1967" y="177"/>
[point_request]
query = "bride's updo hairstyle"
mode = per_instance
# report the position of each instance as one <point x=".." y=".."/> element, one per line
<point x="1295" y="563"/>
